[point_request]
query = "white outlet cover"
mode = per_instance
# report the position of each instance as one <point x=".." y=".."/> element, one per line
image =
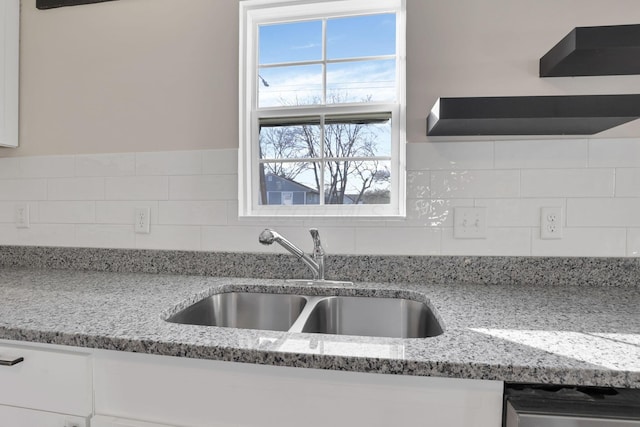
<point x="551" y="223"/>
<point x="142" y="218"/>
<point x="470" y="223"/>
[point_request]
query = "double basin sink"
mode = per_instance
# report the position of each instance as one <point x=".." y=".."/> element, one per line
<point x="341" y="315"/>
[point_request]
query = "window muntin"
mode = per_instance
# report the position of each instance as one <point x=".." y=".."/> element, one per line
<point x="348" y="156"/>
<point x="326" y="121"/>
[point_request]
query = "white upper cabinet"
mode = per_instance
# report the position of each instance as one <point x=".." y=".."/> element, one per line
<point x="9" y="71"/>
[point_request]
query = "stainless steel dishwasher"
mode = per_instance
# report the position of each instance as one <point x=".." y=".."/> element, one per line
<point x="565" y="406"/>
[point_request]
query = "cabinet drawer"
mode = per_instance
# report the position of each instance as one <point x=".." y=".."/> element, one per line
<point x="20" y="417"/>
<point x="47" y="380"/>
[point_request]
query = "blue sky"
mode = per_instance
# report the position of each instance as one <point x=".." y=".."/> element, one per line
<point x="349" y="37"/>
<point x="358" y="36"/>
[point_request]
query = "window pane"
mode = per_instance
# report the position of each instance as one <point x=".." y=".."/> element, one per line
<point x="358" y="36"/>
<point x="365" y="135"/>
<point x="289" y="183"/>
<point x="297" y="41"/>
<point x="357" y="182"/>
<point x="290" y="86"/>
<point x="361" y="81"/>
<point x="290" y="139"/>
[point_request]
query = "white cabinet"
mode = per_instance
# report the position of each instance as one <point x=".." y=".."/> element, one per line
<point x="57" y="386"/>
<point x="9" y="71"/>
<point x="49" y="384"/>
<point x="197" y="393"/>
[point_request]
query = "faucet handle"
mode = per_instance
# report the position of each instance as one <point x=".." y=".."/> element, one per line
<point x="317" y="245"/>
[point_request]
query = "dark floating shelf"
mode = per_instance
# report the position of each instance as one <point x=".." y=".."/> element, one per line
<point x="531" y="115"/>
<point x="594" y="51"/>
<point x="50" y="4"/>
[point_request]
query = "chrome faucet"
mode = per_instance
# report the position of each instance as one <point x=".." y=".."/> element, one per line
<point x="314" y="262"/>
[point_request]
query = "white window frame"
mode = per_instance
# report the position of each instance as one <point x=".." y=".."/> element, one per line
<point x="259" y="12"/>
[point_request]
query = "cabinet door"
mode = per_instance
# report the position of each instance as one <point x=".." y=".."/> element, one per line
<point x="19" y="417"/>
<point x="46" y="379"/>
<point x="204" y="393"/>
<point x="9" y="71"/>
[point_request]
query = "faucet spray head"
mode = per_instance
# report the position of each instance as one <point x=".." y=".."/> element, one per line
<point x="267" y="236"/>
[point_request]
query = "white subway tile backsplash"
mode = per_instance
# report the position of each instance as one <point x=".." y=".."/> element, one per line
<point x="23" y="189"/>
<point x="116" y="212"/>
<point x="628" y="182"/>
<point x="193" y="212"/>
<point x="169" y="163"/>
<point x="119" y="164"/>
<point x="234" y="220"/>
<point x="203" y="187"/>
<point x="633" y="242"/>
<point x="451" y="155"/>
<point x="561" y="153"/>
<point x="611" y="212"/>
<point x="568" y="182"/>
<point x="508" y="241"/>
<point x="472" y="183"/>
<point x="47" y="167"/>
<point x="237" y="238"/>
<point x="89" y="201"/>
<point x="429" y="213"/>
<point x="38" y="235"/>
<point x="582" y="242"/>
<point x="9" y="167"/>
<point x="177" y="237"/>
<point x="517" y="212"/>
<point x="7" y="212"/>
<point x="619" y="153"/>
<point x="418" y="184"/>
<point x="105" y="236"/>
<point x="87" y="188"/>
<point x="407" y="241"/>
<point x="137" y="188"/>
<point x="66" y="212"/>
<point x="219" y="162"/>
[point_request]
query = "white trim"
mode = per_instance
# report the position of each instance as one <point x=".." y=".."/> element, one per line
<point x="255" y="12"/>
<point x="9" y="72"/>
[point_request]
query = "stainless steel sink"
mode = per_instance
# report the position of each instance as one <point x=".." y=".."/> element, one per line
<point x="377" y="317"/>
<point x="246" y="310"/>
<point x="338" y="315"/>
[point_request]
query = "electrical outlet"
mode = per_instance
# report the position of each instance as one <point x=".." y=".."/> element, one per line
<point x="551" y="223"/>
<point x="142" y="220"/>
<point x="470" y="223"/>
<point x="22" y="215"/>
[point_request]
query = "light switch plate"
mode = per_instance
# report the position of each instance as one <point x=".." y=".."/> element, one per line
<point x="470" y="223"/>
<point x="21" y="214"/>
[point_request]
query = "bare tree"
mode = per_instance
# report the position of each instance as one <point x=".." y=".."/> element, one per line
<point x="349" y="144"/>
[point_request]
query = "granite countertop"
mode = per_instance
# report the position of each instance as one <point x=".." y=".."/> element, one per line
<point x="586" y="335"/>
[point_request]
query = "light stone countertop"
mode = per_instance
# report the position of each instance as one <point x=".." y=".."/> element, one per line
<point x="585" y="335"/>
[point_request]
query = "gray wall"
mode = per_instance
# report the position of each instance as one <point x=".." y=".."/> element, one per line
<point x="156" y="75"/>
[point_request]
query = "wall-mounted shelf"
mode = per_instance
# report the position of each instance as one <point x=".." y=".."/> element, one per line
<point x="50" y="4"/>
<point x="594" y="51"/>
<point x="531" y="115"/>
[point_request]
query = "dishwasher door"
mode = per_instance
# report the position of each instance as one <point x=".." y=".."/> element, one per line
<point x="562" y="406"/>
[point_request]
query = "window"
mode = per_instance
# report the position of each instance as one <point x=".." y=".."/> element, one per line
<point x="322" y="108"/>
